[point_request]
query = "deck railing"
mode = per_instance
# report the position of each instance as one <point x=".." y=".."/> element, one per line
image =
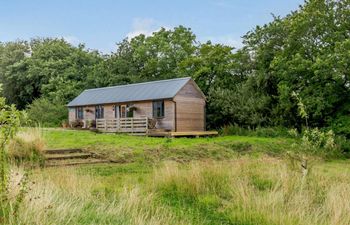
<point x="123" y="125"/>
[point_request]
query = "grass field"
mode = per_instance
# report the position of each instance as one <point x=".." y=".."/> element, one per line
<point x="221" y="180"/>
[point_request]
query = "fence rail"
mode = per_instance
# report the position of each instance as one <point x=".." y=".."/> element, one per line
<point x="123" y="125"/>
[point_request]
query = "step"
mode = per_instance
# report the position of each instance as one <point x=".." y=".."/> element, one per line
<point x="75" y="162"/>
<point x="68" y="156"/>
<point x="62" y="151"/>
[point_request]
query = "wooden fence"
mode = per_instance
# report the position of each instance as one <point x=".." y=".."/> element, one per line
<point x="123" y="125"/>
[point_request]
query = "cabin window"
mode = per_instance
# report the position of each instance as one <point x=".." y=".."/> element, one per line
<point x="130" y="110"/>
<point x="99" y="112"/>
<point x="79" y="113"/>
<point x="158" y="109"/>
<point x="116" y="111"/>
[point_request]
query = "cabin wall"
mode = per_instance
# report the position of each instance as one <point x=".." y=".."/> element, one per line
<point x="146" y="109"/>
<point x="71" y="114"/>
<point x="190" y="109"/>
<point x="109" y="111"/>
<point x="89" y="112"/>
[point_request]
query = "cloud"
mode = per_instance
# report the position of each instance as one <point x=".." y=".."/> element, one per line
<point x="144" y="26"/>
<point x="72" y="40"/>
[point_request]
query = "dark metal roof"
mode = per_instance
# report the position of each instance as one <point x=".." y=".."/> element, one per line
<point x="163" y="89"/>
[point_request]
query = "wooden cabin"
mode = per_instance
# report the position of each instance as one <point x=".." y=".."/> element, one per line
<point x="175" y="105"/>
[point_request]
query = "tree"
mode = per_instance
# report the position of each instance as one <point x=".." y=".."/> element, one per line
<point x="48" y="67"/>
<point x="305" y="52"/>
<point x="12" y="71"/>
<point x="47" y="113"/>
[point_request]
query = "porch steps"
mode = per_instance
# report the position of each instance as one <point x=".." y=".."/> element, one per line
<point x="71" y="157"/>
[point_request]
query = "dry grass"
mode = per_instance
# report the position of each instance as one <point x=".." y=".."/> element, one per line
<point x="27" y="145"/>
<point x="61" y="196"/>
<point x="258" y="191"/>
<point x="242" y="191"/>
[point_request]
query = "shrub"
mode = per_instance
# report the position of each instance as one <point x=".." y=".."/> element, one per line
<point x="322" y="143"/>
<point x="47" y="113"/>
<point x="27" y="145"/>
<point x="344" y="145"/>
<point x="91" y="123"/>
<point x="77" y="124"/>
<point x="259" y="131"/>
<point x="341" y="126"/>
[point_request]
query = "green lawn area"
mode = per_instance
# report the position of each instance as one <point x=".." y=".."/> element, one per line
<point x="218" y="180"/>
<point x="126" y="148"/>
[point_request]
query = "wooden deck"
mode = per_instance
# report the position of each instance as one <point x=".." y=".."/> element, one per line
<point x="181" y="134"/>
<point x="139" y="126"/>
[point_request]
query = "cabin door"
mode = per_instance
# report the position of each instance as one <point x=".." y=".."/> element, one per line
<point x="123" y="113"/>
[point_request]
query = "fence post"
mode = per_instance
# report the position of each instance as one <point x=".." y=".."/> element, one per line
<point x="132" y="125"/>
<point x="147" y="124"/>
<point x="105" y="124"/>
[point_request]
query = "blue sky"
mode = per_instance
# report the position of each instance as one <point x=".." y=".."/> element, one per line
<point x="101" y="24"/>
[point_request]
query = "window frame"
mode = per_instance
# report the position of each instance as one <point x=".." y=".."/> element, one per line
<point x="99" y="112"/>
<point x="79" y="113"/>
<point x="158" y="109"/>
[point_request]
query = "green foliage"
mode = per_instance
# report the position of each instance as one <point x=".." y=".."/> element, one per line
<point x="314" y="140"/>
<point x="47" y="113"/>
<point x="44" y="67"/>
<point x="10" y="122"/>
<point x="304" y="52"/>
<point x="341" y="125"/>
<point x="259" y="131"/>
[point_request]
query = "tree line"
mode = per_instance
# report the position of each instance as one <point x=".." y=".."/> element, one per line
<point x="306" y="52"/>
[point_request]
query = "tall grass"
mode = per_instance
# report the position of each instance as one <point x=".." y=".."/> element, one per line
<point x="61" y="196"/>
<point x="248" y="191"/>
<point x="241" y="191"/>
<point x="27" y="145"/>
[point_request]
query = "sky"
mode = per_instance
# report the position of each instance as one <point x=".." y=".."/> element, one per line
<point x="100" y="24"/>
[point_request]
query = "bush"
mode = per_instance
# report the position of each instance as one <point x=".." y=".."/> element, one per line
<point x="341" y="126"/>
<point x="47" y="113"/>
<point x="259" y="131"/>
<point x="91" y="123"/>
<point x="322" y="143"/>
<point x="344" y="145"/>
<point x="27" y="145"/>
<point x="77" y="124"/>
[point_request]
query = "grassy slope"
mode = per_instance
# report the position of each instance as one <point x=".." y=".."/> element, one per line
<point x="222" y="180"/>
<point x="126" y="148"/>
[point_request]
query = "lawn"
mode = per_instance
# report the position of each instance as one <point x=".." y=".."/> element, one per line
<point x="126" y="148"/>
<point x="220" y="180"/>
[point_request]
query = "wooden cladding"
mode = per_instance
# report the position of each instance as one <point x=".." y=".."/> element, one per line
<point x="190" y="109"/>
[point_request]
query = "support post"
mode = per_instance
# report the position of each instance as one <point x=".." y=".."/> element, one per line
<point x="132" y="125"/>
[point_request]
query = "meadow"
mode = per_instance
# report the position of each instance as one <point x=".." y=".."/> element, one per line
<point x="218" y="180"/>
